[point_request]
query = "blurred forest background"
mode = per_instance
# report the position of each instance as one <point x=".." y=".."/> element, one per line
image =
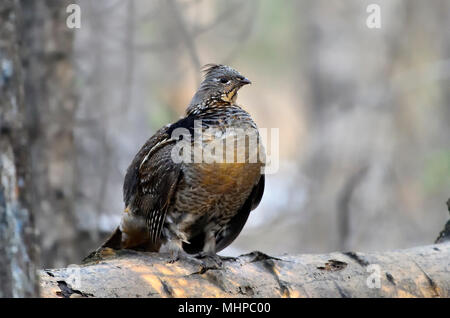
<point x="363" y="113"/>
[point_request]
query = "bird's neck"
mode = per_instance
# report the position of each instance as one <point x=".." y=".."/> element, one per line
<point x="201" y="104"/>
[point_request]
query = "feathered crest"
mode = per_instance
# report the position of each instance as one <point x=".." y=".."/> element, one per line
<point x="208" y="68"/>
<point x="211" y="68"/>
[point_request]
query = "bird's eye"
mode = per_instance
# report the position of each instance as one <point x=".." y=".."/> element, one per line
<point x="224" y="80"/>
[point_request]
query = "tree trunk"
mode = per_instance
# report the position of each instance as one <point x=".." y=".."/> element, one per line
<point x="416" y="272"/>
<point x="51" y="102"/>
<point x="17" y="247"/>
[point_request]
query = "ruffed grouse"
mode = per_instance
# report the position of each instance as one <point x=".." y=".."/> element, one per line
<point x="194" y="206"/>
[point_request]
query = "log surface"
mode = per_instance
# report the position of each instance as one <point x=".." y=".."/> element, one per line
<point x="416" y="272"/>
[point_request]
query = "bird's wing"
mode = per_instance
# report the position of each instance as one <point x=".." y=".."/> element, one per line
<point x="159" y="177"/>
<point x="151" y="181"/>
<point x="236" y="224"/>
<point x="131" y="182"/>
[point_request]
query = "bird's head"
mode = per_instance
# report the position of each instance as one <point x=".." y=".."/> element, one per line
<point x="221" y="82"/>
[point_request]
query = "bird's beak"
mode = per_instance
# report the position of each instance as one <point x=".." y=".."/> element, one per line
<point x="244" y="81"/>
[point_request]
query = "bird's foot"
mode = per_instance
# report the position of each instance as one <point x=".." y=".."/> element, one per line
<point x="209" y="261"/>
<point x="175" y="256"/>
<point x="228" y="258"/>
<point x="173" y="259"/>
<point x="175" y="251"/>
<point x="182" y="256"/>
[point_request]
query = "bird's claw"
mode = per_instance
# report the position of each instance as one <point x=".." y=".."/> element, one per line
<point x="210" y="261"/>
<point x="173" y="259"/>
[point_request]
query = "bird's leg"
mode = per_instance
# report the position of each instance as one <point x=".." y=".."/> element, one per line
<point x="209" y="246"/>
<point x="175" y="232"/>
<point x="208" y="255"/>
<point x="173" y="245"/>
<point x="174" y="249"/>
<point x="176" y="253"/>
